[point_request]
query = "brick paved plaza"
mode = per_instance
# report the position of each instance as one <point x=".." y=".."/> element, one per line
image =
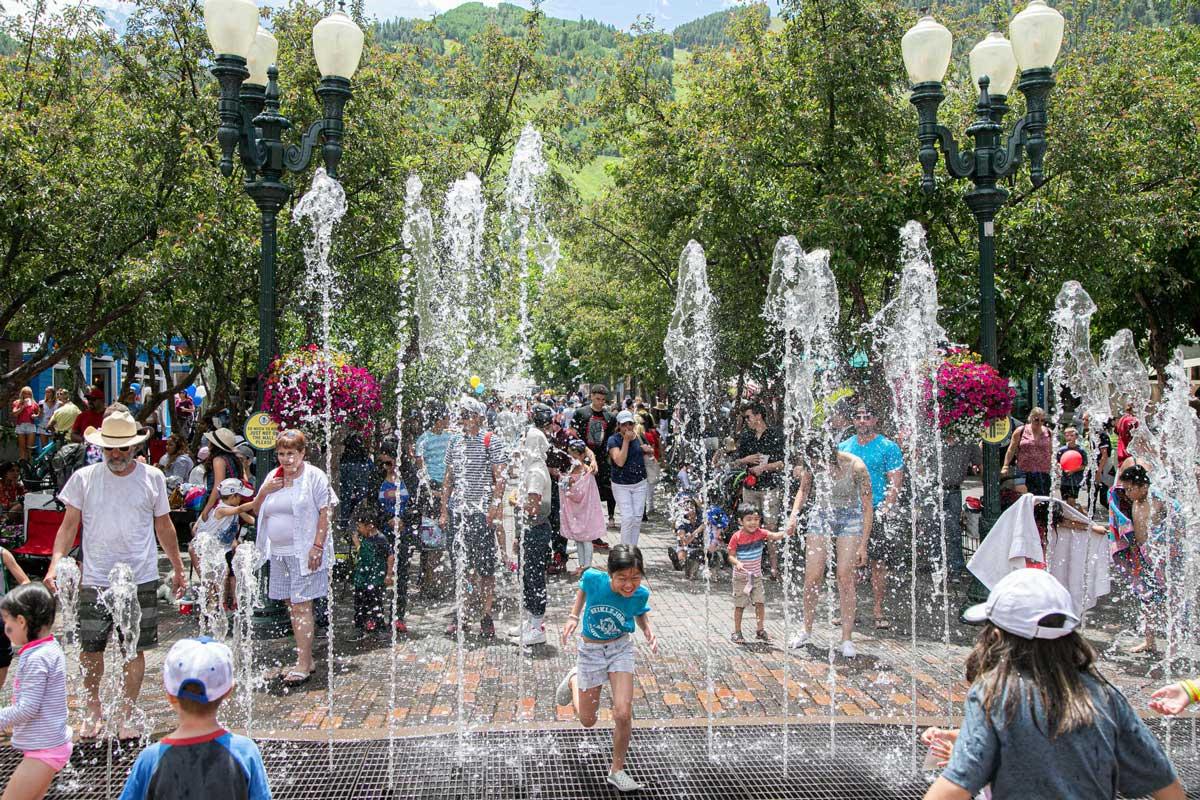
<point x="502" y="689"/>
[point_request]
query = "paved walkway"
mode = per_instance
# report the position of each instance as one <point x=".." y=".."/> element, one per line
<point x="892" y="679"/>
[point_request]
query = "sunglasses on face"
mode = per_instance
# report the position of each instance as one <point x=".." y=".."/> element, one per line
<point x="125" y="449"/>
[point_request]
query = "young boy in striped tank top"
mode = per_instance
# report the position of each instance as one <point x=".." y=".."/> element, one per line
<point x="746" y="548"/>
<point x="38" y="715"/>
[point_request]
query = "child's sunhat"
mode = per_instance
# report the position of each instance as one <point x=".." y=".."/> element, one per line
<point x="232" y="486"/>
<point x="198" y="669"/>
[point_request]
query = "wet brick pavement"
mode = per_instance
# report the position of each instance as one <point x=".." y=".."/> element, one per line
<point x="890" y="680"/>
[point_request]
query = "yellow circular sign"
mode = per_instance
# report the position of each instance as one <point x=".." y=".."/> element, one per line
<point x="261" y="431"/>
<point x="995" y="431"/>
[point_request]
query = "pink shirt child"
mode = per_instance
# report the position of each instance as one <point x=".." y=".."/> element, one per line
<point x="581" y="514"/>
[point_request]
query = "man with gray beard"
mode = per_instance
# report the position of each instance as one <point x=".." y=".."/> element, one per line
<point x="122" y="505"/>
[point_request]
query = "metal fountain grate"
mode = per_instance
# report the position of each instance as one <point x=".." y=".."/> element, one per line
<point x="872" y="762"/>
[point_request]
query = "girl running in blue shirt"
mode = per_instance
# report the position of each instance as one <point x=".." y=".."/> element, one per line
<point x="606" y="608"/>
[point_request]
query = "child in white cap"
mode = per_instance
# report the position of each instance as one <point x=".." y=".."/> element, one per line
<point x="1040" y="720"/>
<point x="224" y="522"/>
<point x="199" y="758"/>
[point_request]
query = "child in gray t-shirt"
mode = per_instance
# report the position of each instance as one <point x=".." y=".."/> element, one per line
<point x="1040" y="720"/>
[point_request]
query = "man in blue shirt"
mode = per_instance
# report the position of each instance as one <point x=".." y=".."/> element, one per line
<point x="885" y="463"/>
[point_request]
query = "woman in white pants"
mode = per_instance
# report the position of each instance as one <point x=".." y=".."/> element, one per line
<point x="627" y="454"/>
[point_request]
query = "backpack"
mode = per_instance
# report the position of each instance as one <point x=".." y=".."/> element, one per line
<point x="68" y="459"/>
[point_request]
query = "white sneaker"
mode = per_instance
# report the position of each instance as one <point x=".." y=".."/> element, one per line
<point x="623" y="782"/>
<point x="563" y="695"/>
<point x="515" y="630"/>
<point x="534" y="636"/>
<point x="801" y="641"/>
<point x="848" y="650"/>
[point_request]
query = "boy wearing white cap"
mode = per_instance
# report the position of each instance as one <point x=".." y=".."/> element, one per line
<point x="1041" y="721"/>
<point x="224" y="523"/>
<point x="199" y="758"/>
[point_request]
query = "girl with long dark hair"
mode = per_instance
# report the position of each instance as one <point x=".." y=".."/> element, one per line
<point x="1041" y="721"/>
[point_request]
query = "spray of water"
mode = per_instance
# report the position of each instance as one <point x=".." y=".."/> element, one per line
<point x="245" y="572"/>
<point x="803" y="311"/>
<point x="1074" y="368"/>
<point x="690" y="349"/>
<point x="419" y="259"/>
<point x="120" y="600"/>
<point x="464" y="280"/>
<point x="524" y="230"/>
<point x="210" y="554"/>
<point x="1173" y="541"/>
<point x="323" y="206"/>
<point x="907" y="335"/>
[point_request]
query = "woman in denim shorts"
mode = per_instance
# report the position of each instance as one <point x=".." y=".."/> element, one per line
<point x="607" y="606"/>
<point x="845" y="519"/>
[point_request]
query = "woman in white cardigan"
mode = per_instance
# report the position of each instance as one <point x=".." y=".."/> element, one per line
<point x="293" y="508"/>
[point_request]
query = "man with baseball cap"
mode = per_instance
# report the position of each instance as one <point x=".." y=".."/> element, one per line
<point x="472" y="491"/>
<point x="627" y="454"/>
<point x="199" y="758"/>
<point x="90" y="417"/>
<point x="122" y="505"/>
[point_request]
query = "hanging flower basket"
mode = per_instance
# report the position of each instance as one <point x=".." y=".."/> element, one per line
<point x="297" y="382"/>
<point x="970" y="394"/>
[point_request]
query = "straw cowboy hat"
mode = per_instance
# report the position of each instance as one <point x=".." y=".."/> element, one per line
<point x="223" y="439"/>
<point x="118" y="429"/>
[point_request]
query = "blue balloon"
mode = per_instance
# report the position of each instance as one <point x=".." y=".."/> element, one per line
<point x="191" y="391"/>
<point x="136" y="388"/>
<point x="479" y="389"/>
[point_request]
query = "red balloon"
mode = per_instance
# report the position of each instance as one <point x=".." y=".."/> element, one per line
<point x="1071" y="461"/>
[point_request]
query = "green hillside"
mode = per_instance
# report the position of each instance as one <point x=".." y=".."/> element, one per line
<point x="569" y="40"/>
<point x="713" y="30"/>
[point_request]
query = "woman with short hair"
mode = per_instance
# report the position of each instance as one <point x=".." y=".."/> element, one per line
<point x="293" y="509"/>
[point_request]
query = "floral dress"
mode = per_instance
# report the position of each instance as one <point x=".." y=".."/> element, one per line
<point x="1145" y="567"/>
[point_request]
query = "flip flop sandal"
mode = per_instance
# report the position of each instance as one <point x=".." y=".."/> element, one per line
<point x="295" y="677"/>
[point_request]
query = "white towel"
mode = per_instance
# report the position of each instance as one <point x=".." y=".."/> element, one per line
<point x="1078" y="558"/>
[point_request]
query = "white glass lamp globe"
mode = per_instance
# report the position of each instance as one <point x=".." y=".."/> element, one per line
<point x="1037" y="34"/>
<point x="993" y="56"/>
<point x="262" y="56"/>
<point x="231" y="25"/>
<point x="926" y="48"/>
<point x="337" y="45"/>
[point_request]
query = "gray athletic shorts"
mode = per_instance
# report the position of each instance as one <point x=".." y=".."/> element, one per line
<point x="288" y="584"/>
<point x="597" y="659"/>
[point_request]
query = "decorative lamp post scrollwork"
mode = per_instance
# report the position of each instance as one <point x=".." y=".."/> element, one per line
<point x="1036" y="34"/>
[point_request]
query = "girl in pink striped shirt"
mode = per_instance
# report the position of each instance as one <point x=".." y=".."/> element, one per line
<point x="38" y="715"/>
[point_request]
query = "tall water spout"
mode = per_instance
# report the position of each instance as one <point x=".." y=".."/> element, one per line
<point x="323" y="206"/>
<point x="907" y="340"/>
<point x="690" y="349"/>
<point x="523" y="229"/>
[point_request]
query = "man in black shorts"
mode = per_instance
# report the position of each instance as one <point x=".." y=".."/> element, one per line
<point x="122" y="505"/>
<point x="471" y="495"/>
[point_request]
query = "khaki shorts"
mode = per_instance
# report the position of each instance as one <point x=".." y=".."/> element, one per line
<point x="756" y="595"/>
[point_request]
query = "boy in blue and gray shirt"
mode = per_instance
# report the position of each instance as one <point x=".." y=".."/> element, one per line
<point x="199" y="758"/>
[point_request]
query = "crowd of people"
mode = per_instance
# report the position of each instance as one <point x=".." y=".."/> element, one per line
<point x="560" y="468"/>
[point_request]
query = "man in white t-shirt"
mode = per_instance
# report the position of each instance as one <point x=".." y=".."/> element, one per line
<point x="123" y="507"/>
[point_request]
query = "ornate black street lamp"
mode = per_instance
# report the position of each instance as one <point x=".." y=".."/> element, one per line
<point x="252" y="126"/>
<point x="1036" y="38"/>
